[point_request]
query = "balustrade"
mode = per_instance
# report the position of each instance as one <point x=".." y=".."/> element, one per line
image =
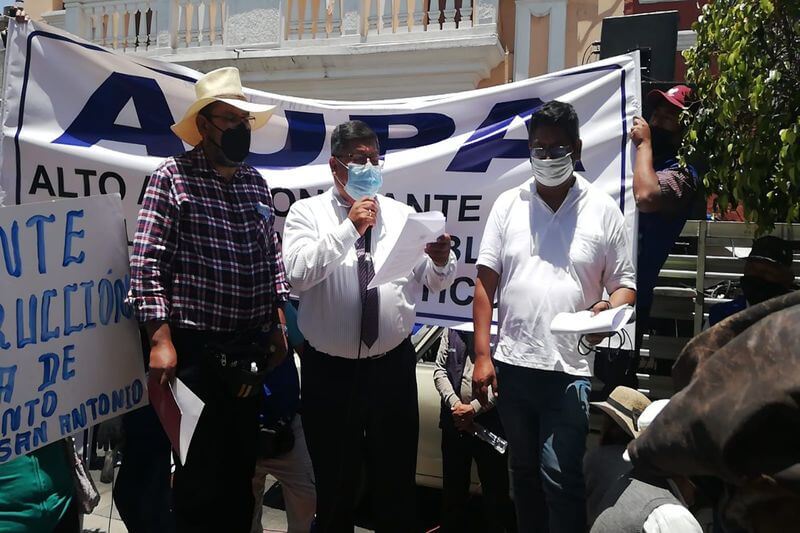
<point x="128" y="26"/>
<point x="143" y="25"/>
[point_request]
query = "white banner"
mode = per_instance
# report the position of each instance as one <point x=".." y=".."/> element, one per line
<point x="80" y="120"/>
<point x="70" y="355"/>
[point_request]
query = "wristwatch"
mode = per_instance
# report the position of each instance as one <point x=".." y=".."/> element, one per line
<point x="600" y="301"/>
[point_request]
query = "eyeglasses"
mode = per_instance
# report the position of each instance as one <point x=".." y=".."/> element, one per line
<point x="361" y="158"/>
<point x="554" y="152"/>
<point x="235" y="120"/>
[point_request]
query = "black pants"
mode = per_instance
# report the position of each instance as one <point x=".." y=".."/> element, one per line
<point x="213" y="491"/>
<point x="142" y="490"/>
<point x="458" y="451"/>
<point x="360" y="414"/>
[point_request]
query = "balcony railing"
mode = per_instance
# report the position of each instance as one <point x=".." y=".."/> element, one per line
<point x="333" y="19"/>
<point x="163" y="25"/>
<point x="119" y="25"/>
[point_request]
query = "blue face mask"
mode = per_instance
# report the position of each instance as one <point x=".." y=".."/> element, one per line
<point x="363" y="180"/>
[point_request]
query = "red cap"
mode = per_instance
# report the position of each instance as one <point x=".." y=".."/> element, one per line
<point x="676" y="96"/>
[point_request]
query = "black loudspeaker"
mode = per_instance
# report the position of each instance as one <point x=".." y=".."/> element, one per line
<point x="655" y="35"/>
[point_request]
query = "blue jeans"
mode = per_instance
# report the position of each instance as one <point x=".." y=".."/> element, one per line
<point x="546" y="418"/>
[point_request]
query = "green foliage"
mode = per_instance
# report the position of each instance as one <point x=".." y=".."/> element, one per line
<point x="746" y="66"/>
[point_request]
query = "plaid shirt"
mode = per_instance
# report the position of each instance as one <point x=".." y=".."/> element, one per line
<point x="679" y="187"/>
<point x="206" y="255"/>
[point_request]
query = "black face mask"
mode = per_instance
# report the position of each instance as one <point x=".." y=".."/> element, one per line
<point x="235" y="142"/>
<point x="757" y="290"/>
<point x="663" y="147"/>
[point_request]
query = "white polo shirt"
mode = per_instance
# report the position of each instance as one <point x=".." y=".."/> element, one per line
<point x="552" y="262"/>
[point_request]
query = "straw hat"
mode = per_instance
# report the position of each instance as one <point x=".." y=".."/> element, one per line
<point x="625" y="405"/>
<point x="221" y="85"/>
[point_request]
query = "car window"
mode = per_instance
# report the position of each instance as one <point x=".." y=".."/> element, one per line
<point x="426" y="343"/>
<point x="429" y="355"/>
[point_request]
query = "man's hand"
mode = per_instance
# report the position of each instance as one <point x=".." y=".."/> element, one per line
<point x="20" y="16"/>
<point x="640" y="133"/>
<point x="163" y="357"/>
<point x="363" y="214"/>
<point x="439" y="251"/>
<point x="278" y="348"/>
<point x="163" y="360"/>
<point x="463" y="415"/>
<point x="483" y="376"/>
<point x="597" y="338"/>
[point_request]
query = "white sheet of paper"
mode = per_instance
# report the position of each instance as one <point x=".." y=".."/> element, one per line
<point x="418" y="230"/>
<point x="190" y="406"/>
<point x="583" y="322"/>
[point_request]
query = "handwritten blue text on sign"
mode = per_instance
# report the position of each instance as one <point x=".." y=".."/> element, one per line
<point x="70" y="356"/>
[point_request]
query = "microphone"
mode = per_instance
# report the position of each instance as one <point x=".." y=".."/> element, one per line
<point x="368" y="241"/>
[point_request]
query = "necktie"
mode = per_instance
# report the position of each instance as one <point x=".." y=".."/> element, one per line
<point x="369" y="298"/>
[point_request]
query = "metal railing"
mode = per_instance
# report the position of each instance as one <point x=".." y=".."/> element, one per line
<point x="680" y="293"/>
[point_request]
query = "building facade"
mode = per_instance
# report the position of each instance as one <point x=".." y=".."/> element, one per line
<point x="346" y="49"/>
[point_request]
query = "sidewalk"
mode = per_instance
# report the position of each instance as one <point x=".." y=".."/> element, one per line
<point x="273" y="520"/>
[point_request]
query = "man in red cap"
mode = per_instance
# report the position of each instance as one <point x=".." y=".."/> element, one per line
<point x="665" y="194"/>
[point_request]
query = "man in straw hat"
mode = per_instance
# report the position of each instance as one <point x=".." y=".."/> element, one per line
<point x="208" y="284"/>
<point x="618" y="498"/>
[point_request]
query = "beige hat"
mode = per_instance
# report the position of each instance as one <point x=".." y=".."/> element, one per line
<point x="625" y="405"/>
<point x="221" y="85"/>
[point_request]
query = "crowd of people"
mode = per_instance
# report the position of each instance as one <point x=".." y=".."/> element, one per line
<point x="210" y="286"/>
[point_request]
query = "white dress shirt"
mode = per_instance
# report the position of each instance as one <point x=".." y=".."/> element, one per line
<point x="321" y="265"/>
<point x="671" y="518"/>
<point x="552" y="262"/>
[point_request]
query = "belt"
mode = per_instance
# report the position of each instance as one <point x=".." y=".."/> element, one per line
<point x="396" y="348"/>
<point x="363" y="357"/>
<point x="204" y="335"/>
<point x="194" y="340"/>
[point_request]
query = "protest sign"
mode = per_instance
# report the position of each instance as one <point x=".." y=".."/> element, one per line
<point x="108" y="129"/>
<point x="70" y="354"/>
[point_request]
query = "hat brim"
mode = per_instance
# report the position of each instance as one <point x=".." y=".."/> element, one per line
<point x="654" y="96"/>
<point x="765" y="259"/>
<point x="623" y="421"/>
<point x="187" y="130"/>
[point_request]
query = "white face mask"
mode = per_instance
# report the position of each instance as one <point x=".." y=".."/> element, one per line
<point x="552" y="172"/>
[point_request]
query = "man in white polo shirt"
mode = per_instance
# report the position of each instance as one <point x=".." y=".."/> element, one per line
<point x="551" y="245"/>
